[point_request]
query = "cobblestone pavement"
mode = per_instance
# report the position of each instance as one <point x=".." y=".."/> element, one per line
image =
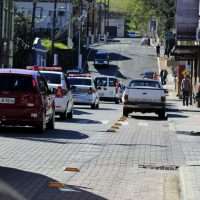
<point x="137" y="162"/>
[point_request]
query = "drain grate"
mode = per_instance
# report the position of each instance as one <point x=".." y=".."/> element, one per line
<point x="160" y="167"/>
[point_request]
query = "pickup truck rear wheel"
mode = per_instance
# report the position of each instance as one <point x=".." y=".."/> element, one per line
<point x="125" y="112"/>
<point x="161" y="114"/>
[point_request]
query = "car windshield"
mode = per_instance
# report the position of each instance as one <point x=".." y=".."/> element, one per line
<point x="101" y="81"/>
<point x="52" y="78"/>
<point x="101" y="56"/>
<point x="153" y="84"/>
<point x="15" y="82"/>
<point x="80" y="81"/>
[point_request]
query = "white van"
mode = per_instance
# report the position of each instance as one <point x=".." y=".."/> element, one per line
<point x="108" y="88"/>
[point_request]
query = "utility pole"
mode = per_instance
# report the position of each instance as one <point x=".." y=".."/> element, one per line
<point x="33" y="22"/>
<point x="53" y="33"/>
<point x="93" y="20"/>
<point x="105" y="19"/>
<point x="100" y="19"/>
<point x="79" y="36"/>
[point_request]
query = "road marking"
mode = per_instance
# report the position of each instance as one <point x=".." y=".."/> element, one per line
<point x="105" y="121"/>
<point x="71" y="169"/>
<point x="124" y="123"/>
<point x="55" y="184"/>
<point x="143" y="124"/>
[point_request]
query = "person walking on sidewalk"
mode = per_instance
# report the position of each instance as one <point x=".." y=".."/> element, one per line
<point x="163" y="76"/>
<point x="158" y="50"/>
<point x="186" y="89"/>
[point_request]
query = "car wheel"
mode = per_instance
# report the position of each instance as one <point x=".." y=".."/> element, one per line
<point x="117" y="101"/>
<point x="125" y="112"/>
<point x="63" y="116"/>
<point x="51" y="123"/>
<point x="93" y="106"/>
<point x="41" y="127"/>
<point x="97" y="106"/>
<point x="70" y="115"/>
<point x="161" y="114"/>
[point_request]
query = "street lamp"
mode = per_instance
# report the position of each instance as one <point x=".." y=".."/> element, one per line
<point x="53" y="57"/>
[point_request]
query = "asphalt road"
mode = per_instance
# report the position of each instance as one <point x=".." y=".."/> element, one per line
<point x="137" y="161"/>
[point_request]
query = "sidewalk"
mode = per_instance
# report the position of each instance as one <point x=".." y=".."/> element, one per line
<point x="185" y="121"/>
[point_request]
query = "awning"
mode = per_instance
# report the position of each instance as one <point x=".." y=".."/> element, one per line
<point x="185" y="52"/>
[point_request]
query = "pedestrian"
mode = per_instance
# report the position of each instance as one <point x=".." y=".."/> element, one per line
<point x="158" y="50"/>
<point x="163" y="76"/>
<point x="186" y="89"/>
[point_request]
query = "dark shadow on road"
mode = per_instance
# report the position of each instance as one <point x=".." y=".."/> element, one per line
<point x="148" y="118"/>
<point x="175" y="115"/>
<point x="81" y="121"/>
<point x="191" y="133"/>
<point x="113" y="56"/>
<point x="80" y="112"/>
<point x="111" y="70"/>
<point x="56" y="136"/>
<point x="17" y="184"/>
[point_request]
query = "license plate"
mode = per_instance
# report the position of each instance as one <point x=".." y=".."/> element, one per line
<point x="4" y="100"/>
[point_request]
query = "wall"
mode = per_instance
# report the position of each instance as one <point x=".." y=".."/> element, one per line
<point x="120" y="24"/>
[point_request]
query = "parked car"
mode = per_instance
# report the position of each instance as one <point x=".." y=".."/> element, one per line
<point x="60" y="87"/>
<point x="144" y="96"/>
<point x="102" y="58"/>
<point x="83" y="90"/>
<point x="25" y="99"/>
<point x="109" y="88"/>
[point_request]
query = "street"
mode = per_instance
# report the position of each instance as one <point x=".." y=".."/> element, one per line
<point x="139" y="161"/>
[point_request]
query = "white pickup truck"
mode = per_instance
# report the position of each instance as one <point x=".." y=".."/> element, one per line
<point x="146" y="96"/>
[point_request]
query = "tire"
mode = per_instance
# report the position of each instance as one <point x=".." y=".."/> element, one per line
<point x="70" y="115"/>
<point x="125" y="112"/>
<point x="117" y="101"/>
<point x="63" y="116"/>
<point x="51" y="123"/>
<point x="97" y="106"/>
<point x="42" y="126"/>
<point x="93" y="106"/>
<point x="161" y="115"/>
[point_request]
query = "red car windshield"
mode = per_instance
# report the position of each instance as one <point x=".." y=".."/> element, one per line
<point x="15" y="82"/>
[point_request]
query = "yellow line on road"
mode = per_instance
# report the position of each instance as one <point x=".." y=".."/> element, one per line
<point x="71" y="169"/>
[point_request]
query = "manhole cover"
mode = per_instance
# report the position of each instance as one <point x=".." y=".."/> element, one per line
<point x="160" y="167"/>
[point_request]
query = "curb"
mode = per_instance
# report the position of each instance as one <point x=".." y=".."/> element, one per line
<point x="189" y="182"/>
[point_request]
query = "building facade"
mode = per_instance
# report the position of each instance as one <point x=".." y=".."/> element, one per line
<point x="187" y="48"/>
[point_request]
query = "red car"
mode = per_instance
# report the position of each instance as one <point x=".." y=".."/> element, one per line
<point x="25" y="99"/>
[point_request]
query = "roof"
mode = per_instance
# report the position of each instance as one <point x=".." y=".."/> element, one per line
<point x="51" y="72"/>
<point x="18" y="71"/>
<point x="151" y="80"/>
<point x="104" y="76"/>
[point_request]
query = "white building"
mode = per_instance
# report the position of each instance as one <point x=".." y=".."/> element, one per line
<point x="45" y="11"/>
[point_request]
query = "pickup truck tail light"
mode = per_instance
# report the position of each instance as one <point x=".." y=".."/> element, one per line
<point x="126" y="98"/>
<point x="163" y="98"/>
<point x="59" y="92"/>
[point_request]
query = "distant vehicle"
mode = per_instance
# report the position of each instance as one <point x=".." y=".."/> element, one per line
<point x="57" y="83"/>
<point x="25" y="99"/>
<point x="145" y="41"/>
<point x="145" y="96"/>
<point x="109" y="88"/>
<point x="132" y="34"/>
<point x="102" y="58"/>
<point x="148" y="74"/>
<point x="84" y="90"/>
